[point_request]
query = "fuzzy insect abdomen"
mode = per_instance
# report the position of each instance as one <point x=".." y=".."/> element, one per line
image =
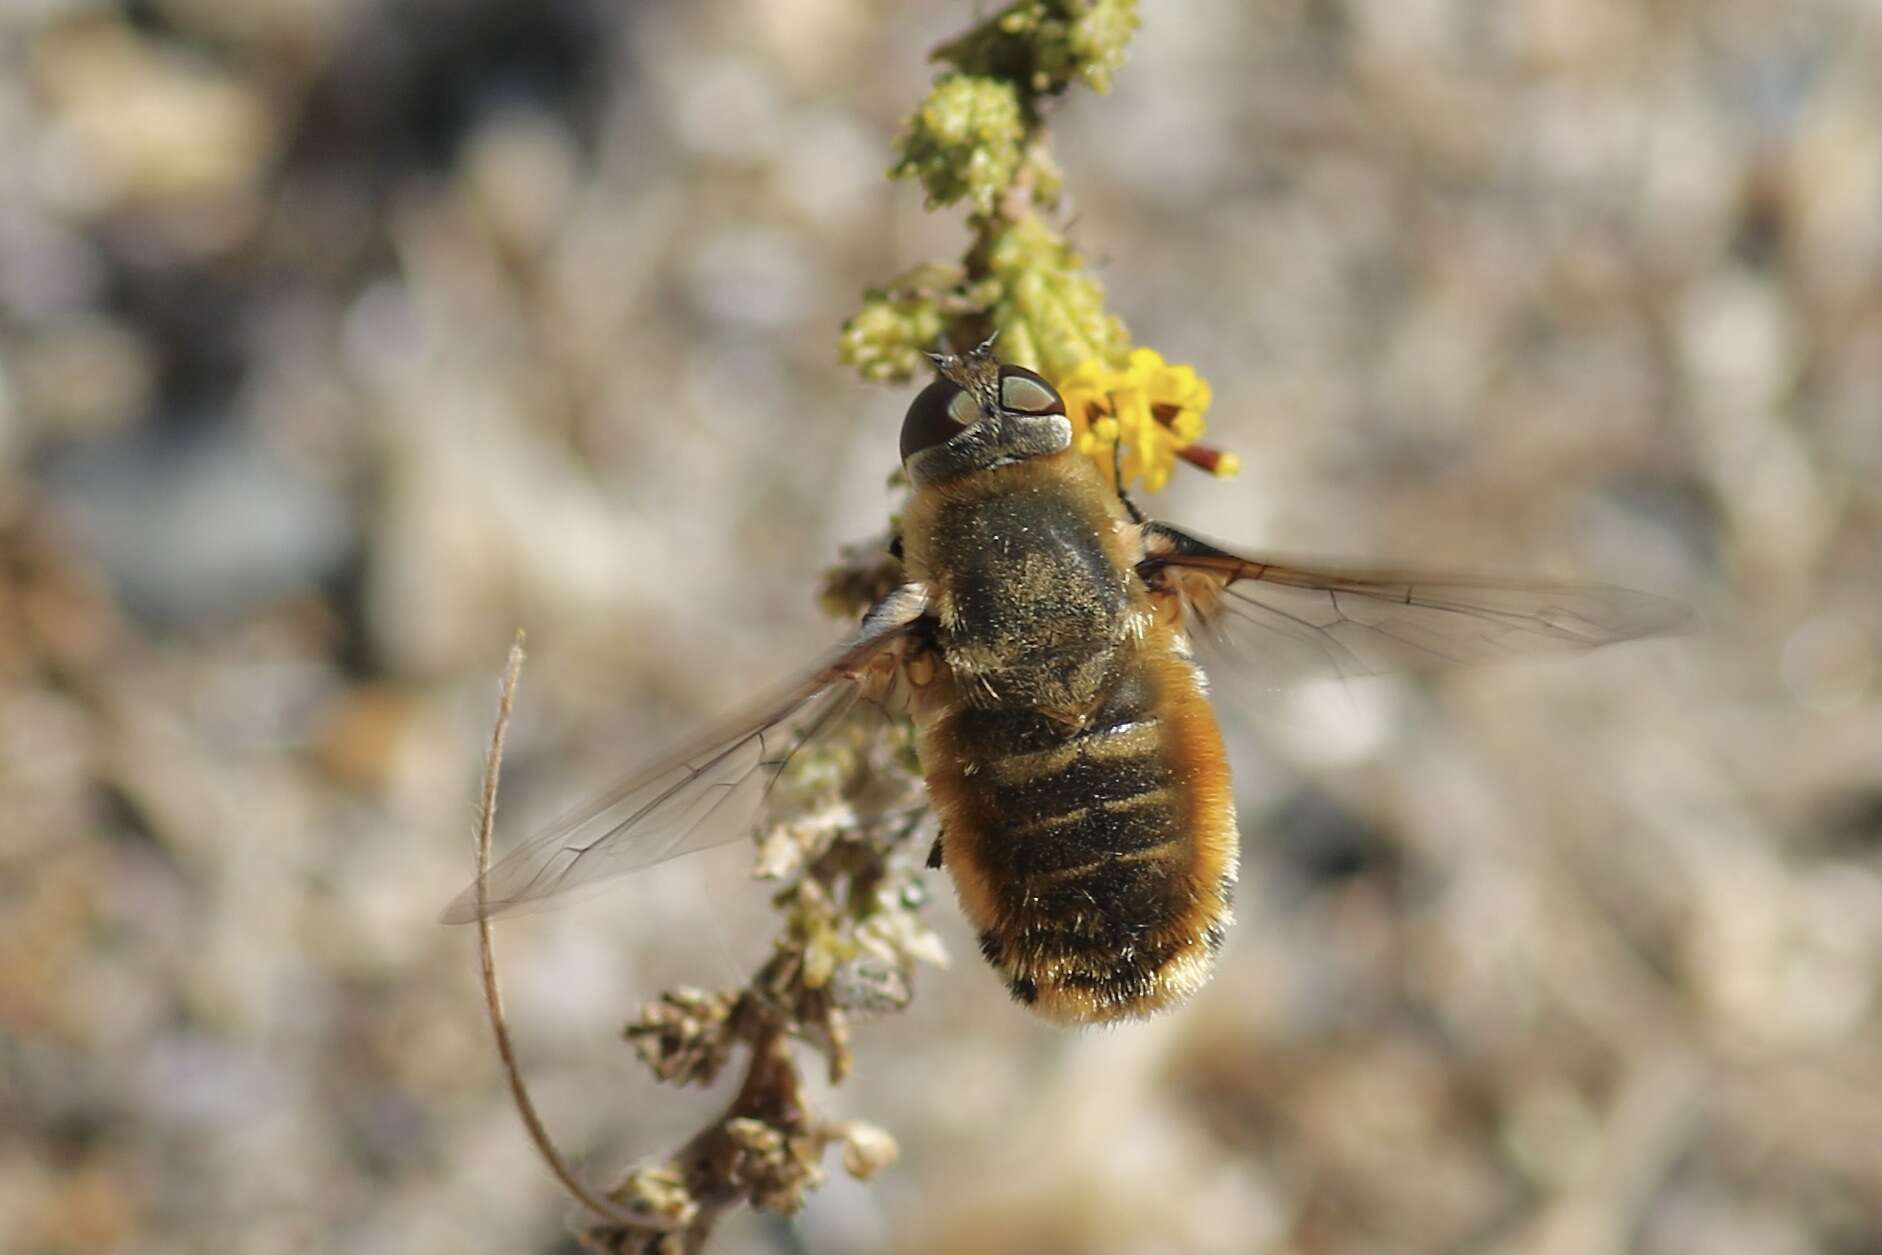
<point x="1076" y="767"/>
<point x="1097" y="865"/>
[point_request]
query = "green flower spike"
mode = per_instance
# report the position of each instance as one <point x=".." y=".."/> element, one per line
<point x="885" y="339"/>
<point x="1047" y="44"/>
<point x="1051" y="312"/>
<point x="964" y="141"/>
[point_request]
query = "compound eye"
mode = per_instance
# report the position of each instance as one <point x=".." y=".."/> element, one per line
<point x="1027" y="393"/>
<point x="939" y="412"/>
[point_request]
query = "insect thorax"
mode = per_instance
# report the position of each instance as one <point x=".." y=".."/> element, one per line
<point x="1035" y="596"/>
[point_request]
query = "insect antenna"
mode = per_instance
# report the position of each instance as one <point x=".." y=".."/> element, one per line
<point x="977" y="371"/>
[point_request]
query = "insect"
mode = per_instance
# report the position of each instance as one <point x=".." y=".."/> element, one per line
<point x="1044" y="631"/>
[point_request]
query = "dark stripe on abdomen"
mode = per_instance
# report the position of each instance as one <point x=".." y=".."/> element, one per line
<point x="1092" y="780"/>
<point x="1083" y="838"/>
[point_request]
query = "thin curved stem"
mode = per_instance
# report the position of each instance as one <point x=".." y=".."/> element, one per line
<point x="486" y="950"/>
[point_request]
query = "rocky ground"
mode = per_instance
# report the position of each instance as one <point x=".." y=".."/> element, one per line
<point x="339" y="338"/>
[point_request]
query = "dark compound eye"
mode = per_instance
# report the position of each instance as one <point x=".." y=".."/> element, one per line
<point x="1028" y="393"/>
<point x="939" y="413"/>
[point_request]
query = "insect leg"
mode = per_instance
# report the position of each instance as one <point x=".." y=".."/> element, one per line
<point x="1117" y="477"/>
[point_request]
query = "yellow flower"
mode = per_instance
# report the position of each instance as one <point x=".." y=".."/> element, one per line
<point x="1151" y="410"/>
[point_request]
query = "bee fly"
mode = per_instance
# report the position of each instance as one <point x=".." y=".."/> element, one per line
<point x="1044" y="634"/>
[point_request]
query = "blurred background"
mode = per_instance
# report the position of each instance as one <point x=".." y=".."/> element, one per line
<point x="340" y="338"/>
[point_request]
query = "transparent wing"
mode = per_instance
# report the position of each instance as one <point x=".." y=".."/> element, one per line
<point x="708" y="791"/>
<point x="1280" y="621"/>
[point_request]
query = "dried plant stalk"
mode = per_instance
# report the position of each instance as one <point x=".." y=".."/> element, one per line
<point x="847" y="819"/>
<point x="849" y="941"/>
<point x="487" y="955"/>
